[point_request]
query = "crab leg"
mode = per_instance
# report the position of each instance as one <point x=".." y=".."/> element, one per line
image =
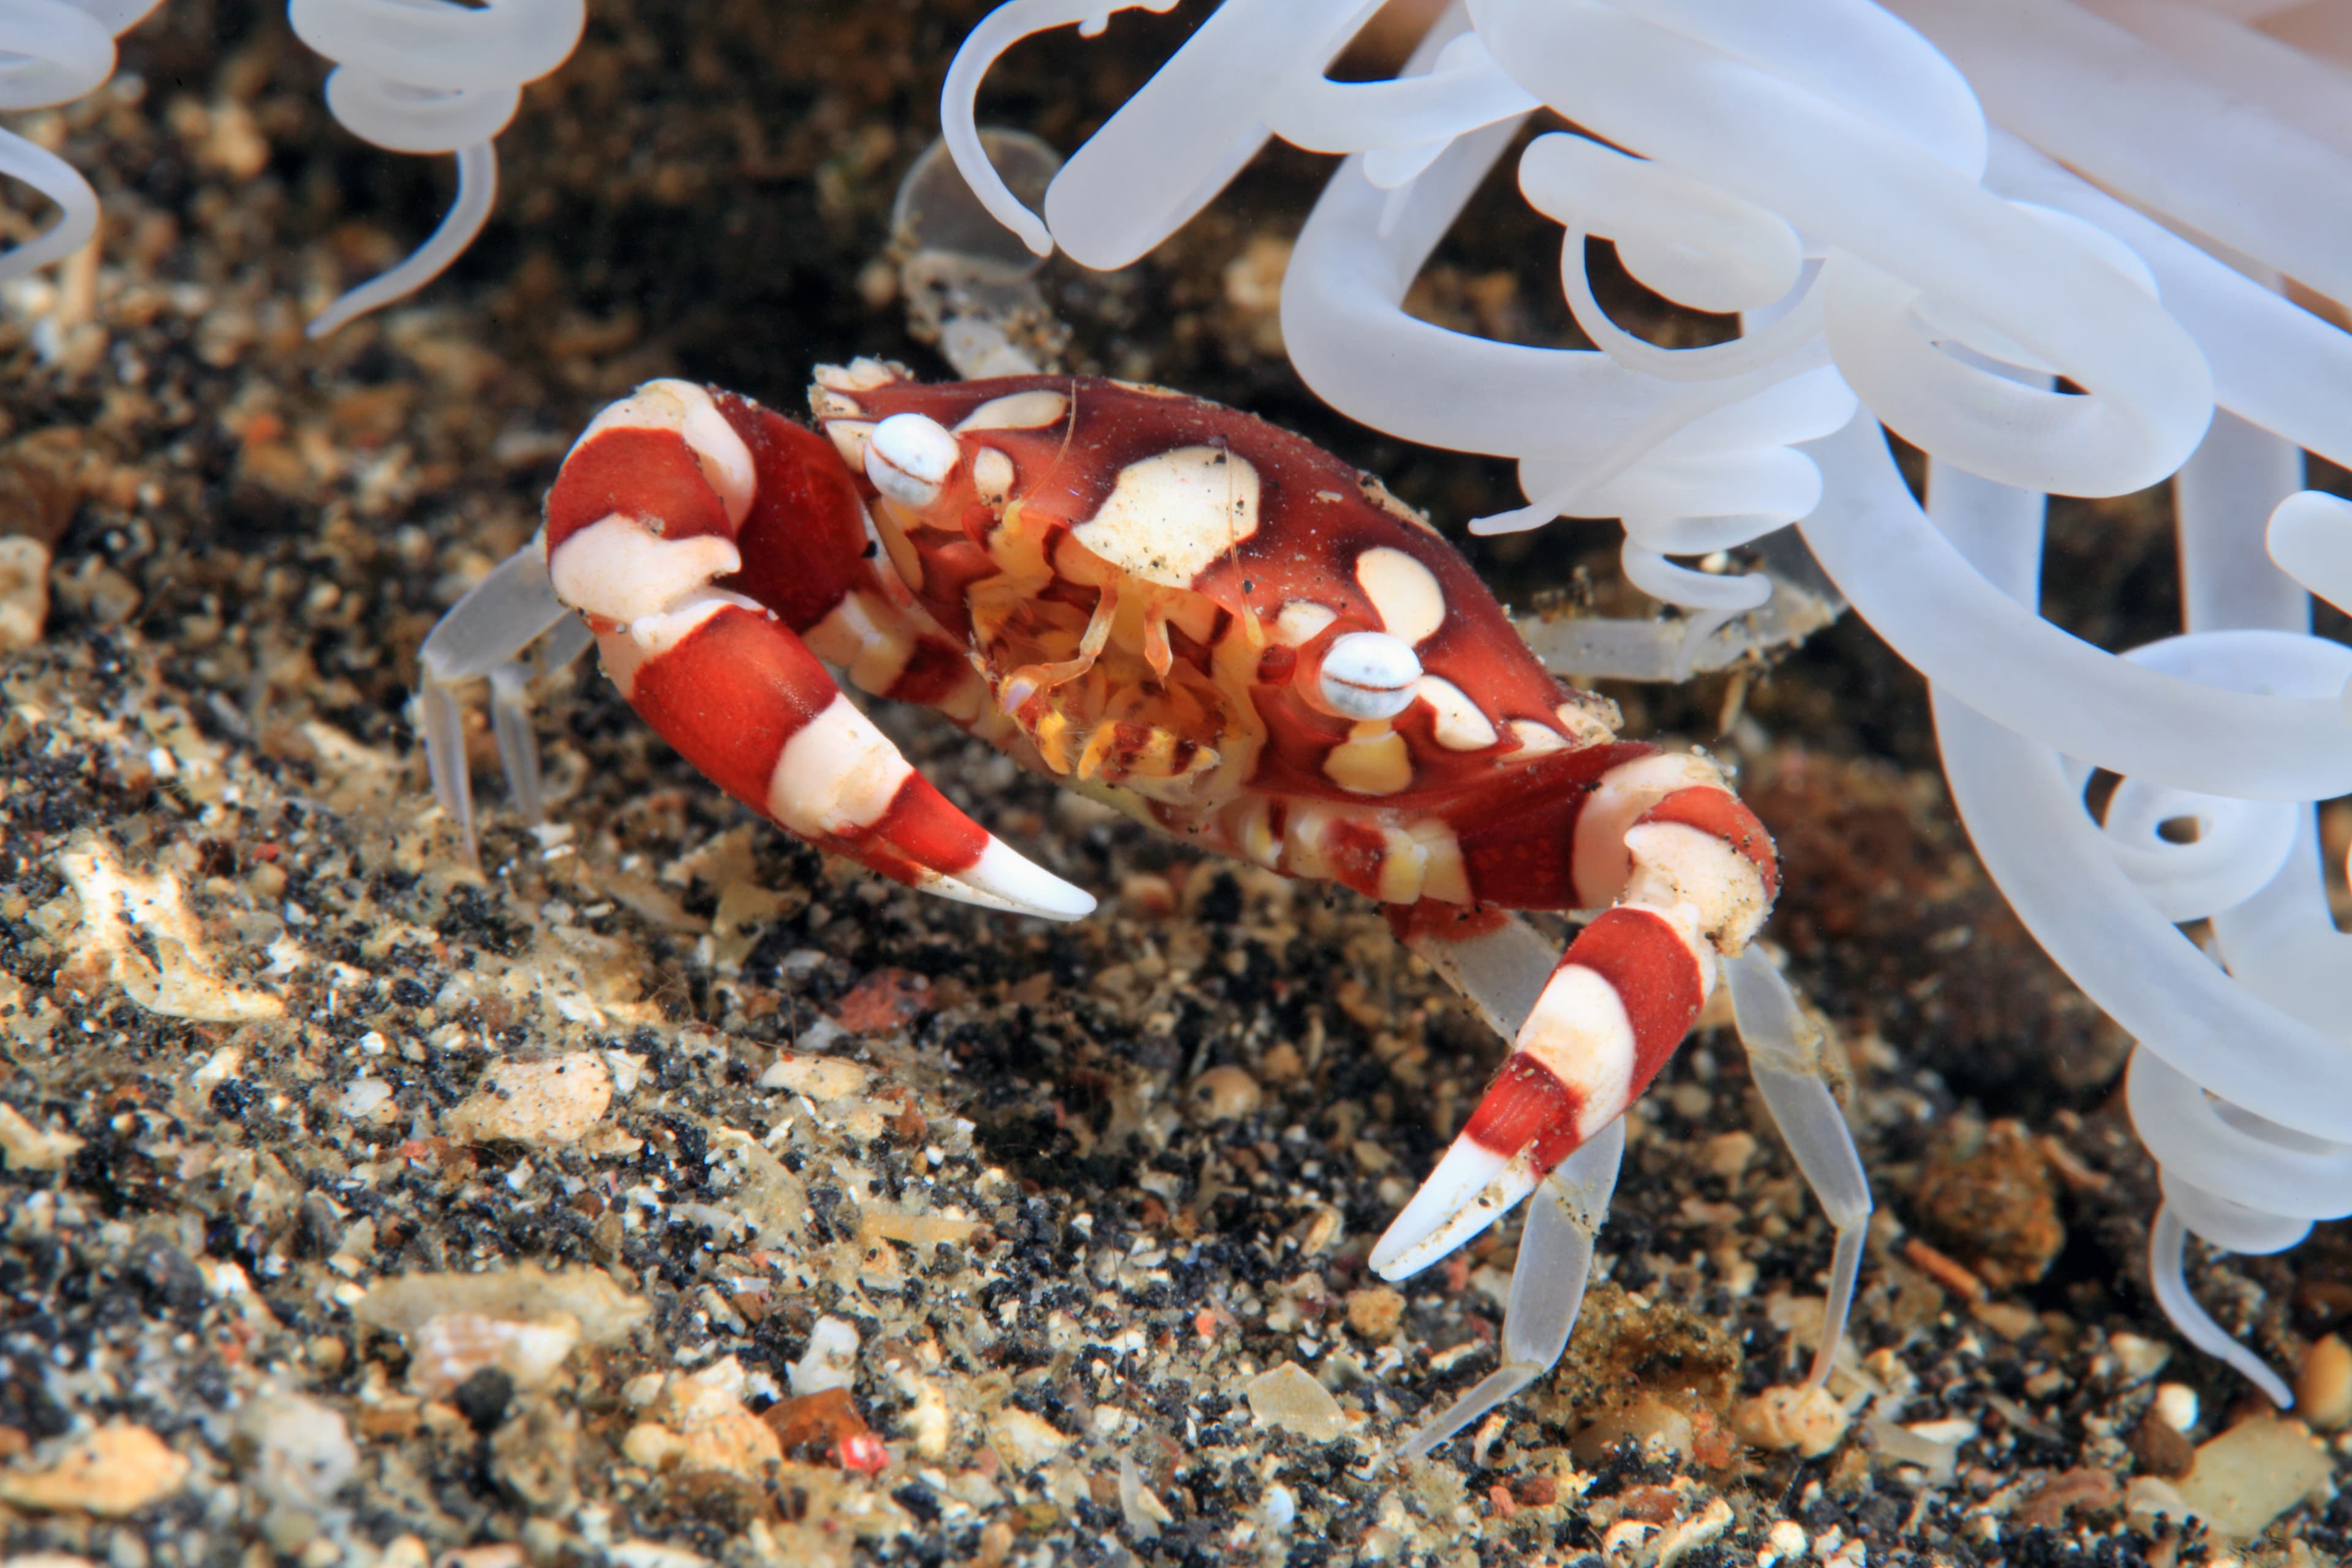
<point x="699" y="536"/>
<point x="1689" y="873"/>
<point x="1547" y="1284"/>
<point x="496" y="621"/>
<point x="1784" y="1058"/>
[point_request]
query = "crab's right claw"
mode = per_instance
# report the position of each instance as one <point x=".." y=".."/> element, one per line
<point x="641" y="524"/>
<point x="1624" y="995"/>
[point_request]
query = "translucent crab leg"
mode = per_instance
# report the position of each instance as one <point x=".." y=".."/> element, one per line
<point x="1784" y="1058"/>
<point x="499" y="618"/>
<point x="1547" y="1285"/>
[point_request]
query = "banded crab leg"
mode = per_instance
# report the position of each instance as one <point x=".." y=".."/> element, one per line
<point x="1693" y="877"/>
<point x="699" y="536"/>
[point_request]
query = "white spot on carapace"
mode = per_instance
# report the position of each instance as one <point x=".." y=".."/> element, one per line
<point x="1535" y="740"/>
<point x="991" y="474"/>
<point x="1624" y="793"/>
<point x="691" y="414"/>
<point x="1301" y="621"/>
<point x="1169" y="517"/>
<point x="1405" y="593"/>
<point x="1378" y="763"/>
<point x="618" y="569"/>
<point x="1580" y="1031"/>
<point x="1461" y="727"/>
<point x="860" y="375"/>
<point x="909" y="457"/>
<point x="1369" y="674"/>
<point x="1403" y="860"/>
<point x="836" y="772"/>
<point x="1017" y="411"/>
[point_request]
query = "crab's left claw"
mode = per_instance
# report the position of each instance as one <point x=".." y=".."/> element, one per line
<point x="1698" y="878"/>
<point x="642" y="522"/>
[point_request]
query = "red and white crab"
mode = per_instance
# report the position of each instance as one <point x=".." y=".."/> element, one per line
<point x="1230" y="635"/>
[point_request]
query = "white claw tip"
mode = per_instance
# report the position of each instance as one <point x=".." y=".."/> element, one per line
<point x="909" y="457"/>
<point x="1005" y="879"/>
<point x="1472" y="1188"/>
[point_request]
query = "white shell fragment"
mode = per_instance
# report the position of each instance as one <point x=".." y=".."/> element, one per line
<point x="831" y="1360"/>
<point x="1288" y="1399"/>
<point x="909" y="457"/>
<point x="1369" y="675"/>
<point x="450" y="1347"/>
<point x="300" y="1450"/>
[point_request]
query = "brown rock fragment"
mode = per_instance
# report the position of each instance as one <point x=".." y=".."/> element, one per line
<point x="2322" y="1384"/>
<point x="2081" y="1488"/>
<point x="1994" y="1205"/>
<point x="811" y="1426"/>
<point x="2160" y="1448"/>
<point x="1375" y="1312"/>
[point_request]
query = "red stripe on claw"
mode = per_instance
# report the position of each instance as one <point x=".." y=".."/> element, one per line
<point x="1646" y="960"/>
<point x="730" y="695"/>
<point x="651" y="475"/>
<point x="1527" y="1107"/>
<point x="925" y="828"/>
<point x="1728" y="817"/>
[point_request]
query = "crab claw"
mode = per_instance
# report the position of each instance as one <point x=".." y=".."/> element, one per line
<point x="1619" y="1001"/>
<point x="641" y="524"/>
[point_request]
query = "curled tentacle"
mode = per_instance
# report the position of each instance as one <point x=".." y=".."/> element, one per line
<point x="432" y="77"/>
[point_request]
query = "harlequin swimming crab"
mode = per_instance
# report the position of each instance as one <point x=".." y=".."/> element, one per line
<point x="1230" y="636"/>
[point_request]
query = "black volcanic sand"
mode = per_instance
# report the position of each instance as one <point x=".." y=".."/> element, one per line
<point x="271" y="1046"/>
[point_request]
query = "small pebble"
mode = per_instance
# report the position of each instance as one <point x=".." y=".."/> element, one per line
<point x="1289" y="1399"/>
<point x="1803" y="1418"/>
<point x="448" y="1348"/>
<point x="1728" y="1153"/>
<point x="116" y="1470"/>
<point x="701" y="1424"/>
<point x="23" y="592"/>
<point x="1024" y="1440"/>
<point x="2253" y="1473"/>
<point x="2139" y="1358"/>
<point x="1374" y="1313"/>
<point x="2176" y="1405"/>
<point x="541" y="1103"/>
<point x="2323" y="1384"/>
<point x="25" y="1147"/>
<point x="2160" y="1449"/>
<point x="1226" y="1094"/>
<point x="831" y="1360"/>
<point x="301" y="1451"/>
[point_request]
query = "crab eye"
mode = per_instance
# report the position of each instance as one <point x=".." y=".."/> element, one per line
<point x="1369" y="674"/>
<point x="909" y="457"/>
